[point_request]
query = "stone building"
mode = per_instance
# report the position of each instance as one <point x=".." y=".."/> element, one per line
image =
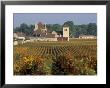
<point x="42" y="33"/>
<point x="87" y="37"/>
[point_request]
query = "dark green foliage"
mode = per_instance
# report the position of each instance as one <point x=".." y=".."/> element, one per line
<point x="75" y="30"/>
<point x="92" y="29"/>
<point x="27" y="29"/>
<point x="49" y="27"/>
<point x="82" y="29"/>
<point x="89" y="29"/>
<point x="54" y="27"/>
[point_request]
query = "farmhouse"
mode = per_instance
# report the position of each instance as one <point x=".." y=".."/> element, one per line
<point x="43" y="34"/>
<point x="87" y="37"/>
<point x="18" y="37"/>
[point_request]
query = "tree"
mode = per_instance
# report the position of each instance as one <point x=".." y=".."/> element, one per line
<point x="27" y="29"/>
<point x="23" y="27"/>
<point x="56" y="27"/>
<point x="49" y="27"/>
<point x="30" y="29"/>
<point x="75" y="30"/>
<point x="83" y="29"/>
<point x="16" y="29"/>
<point x="92" y="29"/>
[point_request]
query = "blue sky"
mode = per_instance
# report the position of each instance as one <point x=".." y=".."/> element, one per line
<point x="54" y="18"/>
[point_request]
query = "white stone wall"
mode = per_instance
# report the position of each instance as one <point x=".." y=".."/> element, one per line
<point x="51" y="39"/>
<point x="41" y="39"/>
<point x="47" y="39"/>
<point x="15" y="43"/>
<point x="87" y="37"/>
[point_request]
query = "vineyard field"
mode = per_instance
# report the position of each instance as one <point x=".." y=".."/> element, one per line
<point x="76" y="57"/>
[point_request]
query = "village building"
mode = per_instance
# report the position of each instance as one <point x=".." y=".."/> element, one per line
<point x="43" y="34"/>
<point x="87" y="37"/>
<point x="18" y="37"/>
<point x="55" y="34"/>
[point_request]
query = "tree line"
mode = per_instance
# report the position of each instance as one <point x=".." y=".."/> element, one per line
<point x="75" y="30"/>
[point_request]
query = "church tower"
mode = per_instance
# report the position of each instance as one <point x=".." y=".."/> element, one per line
<point x="36" y="27"/>
<point x="66" y="31"/>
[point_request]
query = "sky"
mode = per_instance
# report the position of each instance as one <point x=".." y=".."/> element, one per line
<point x="54" y="18"/>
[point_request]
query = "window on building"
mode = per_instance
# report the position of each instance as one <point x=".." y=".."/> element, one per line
<point x="65" y="30"/>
